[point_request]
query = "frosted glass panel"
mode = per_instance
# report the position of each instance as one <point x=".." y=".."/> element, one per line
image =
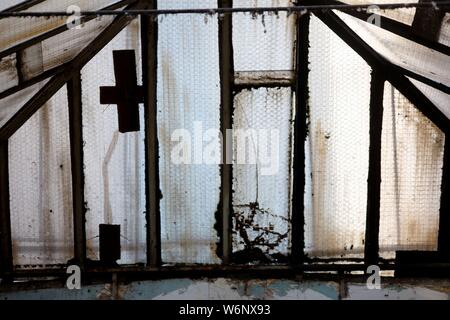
<point x="188" y="99"/>
<point x="40" y="186"/>
<point x="261" y="170"/>
<point x="440" y="99"/>
<point x="404" y="15"/>
<point x="11" y="104"/>
<point x="338" y="143"/>
<point x="114" y="162"/>
<point x="263" y="42"/>
<point x="411" y="174"/>
<point x="403" y="52"/>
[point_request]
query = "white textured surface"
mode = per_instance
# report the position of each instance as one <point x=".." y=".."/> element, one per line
<point x="338" y="144"/>
<point x="11" y="104"/>
<point x="405" y="15"/>
<point x="403" y="52"/>
<point x="188" y="91"/>
<point x="440" y="99"/>
<point x="40" y="186"/>
<point x="411" y="171"/>
<point x="114" y="162"/>
<point x="268" y="112"/>
<point x="263" y="42"/>
<point x="16" y="30"/>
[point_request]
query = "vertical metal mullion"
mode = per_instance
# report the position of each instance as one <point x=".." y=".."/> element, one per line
<point x="149" y="44"/>
<point x="6" y="259"/>
<point x="374" y="175"/>
<point x="444" y="218"/>
<point x="226" y="123"/>
<point x="300" y="132"/>
<point x="76" y="156"/>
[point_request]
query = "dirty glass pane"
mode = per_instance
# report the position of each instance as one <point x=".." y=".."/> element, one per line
<point x="403" y="52"/>
<point x="337" y="147"/>
<point x="17" y="29"/>
<point x="188" y="102"/>
<point x="440" y="99"/>
<point x="261" y="174"/>
<point x="444" y="35"/>
<point x="40" y="186"/>
<point x="411" y="174"/>
<point x="263" y="42"/>
<point x="61" y="48"/>
<point x="113" y="162"/>
<point x="8" y="72"/>
<point x="404" y="15"/>
<point x="11" y="104"/>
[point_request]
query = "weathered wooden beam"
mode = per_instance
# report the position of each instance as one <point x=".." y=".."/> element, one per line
<point x="71" y="68"/>
<point x="390" y="72"/>
<point x="226" y="123"/>
<point x="300" y="131"/>
<point x="374" y="174"/>
<point x="76" y="156"/>
<point x="149" y="45"/>
<point x="6" y="259"/>
<point x="444" y="217"/>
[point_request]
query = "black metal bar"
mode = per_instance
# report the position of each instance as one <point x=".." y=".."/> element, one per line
<point x="54" y="32"/>
<point x="444" y="218"/>
<point x="71" y="68"/>
<point x="76" y="156"/>
<point x="427" y="23"/>
<point x="444" y="5"/>
<point x="6" y="259"/>
<point x="389" y="71"/>
<point x="241" y="271"/>
<point x="398" y="28"/>
<point x="226" y="123"/>
<point x="149" y="44"/>
<point x="300" y="132"/>
<point x="374" y="175"/>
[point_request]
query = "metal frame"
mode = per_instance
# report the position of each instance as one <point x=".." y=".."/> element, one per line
<point x="225" y="207"/>
<point x="300" y="133"/>
<point x="70" y="73"/>
<point x="149" y="44"/>
<point x="77" y="164"/>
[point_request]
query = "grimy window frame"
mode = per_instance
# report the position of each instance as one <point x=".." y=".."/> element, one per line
<point x="69" y="75"/>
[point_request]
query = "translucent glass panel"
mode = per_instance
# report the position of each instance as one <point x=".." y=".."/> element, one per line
<point x="263" y="42"/>
<point x="188" y="99"/>
<point x="403" y="52"/>
<point x="114" y="162"/>
<point x="337" y="147"/>
<point x="8" y="72"/>
<point x="261" y="170"/>
<point x="440" y="99"/>
<point x="16" y="30"/>
<point x="444" y="36"/>
<point x="6" y="4"/>
<point x="11" y="104"/>
<point x="405" y="15"/>
<point x="40" y="186"/>
<point x="411" y="173"/>
<point x="61" y="48"/>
